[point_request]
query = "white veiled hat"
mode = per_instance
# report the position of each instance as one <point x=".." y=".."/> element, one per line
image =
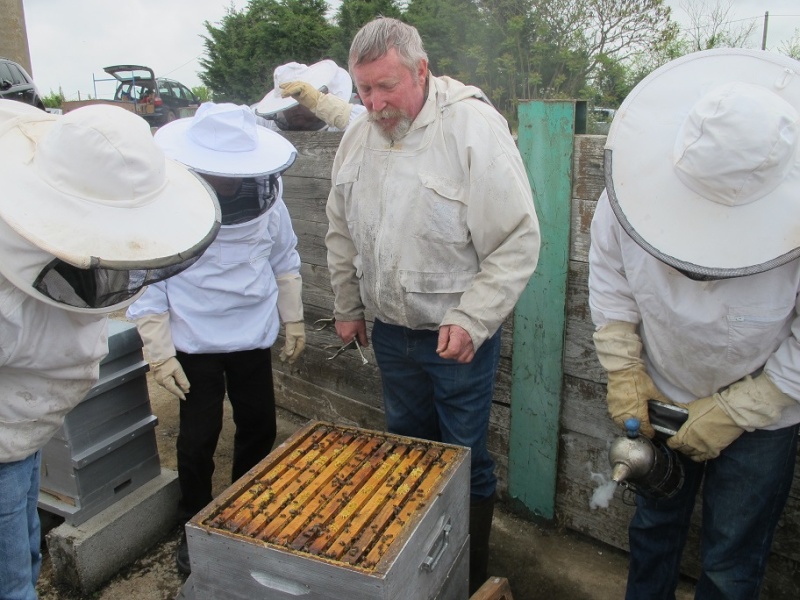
<point x="324" y="73"/>
<point x="224" y="139"/>
<point x="703" y="162"/>
<point x="92" y="187"/>
<point x="91" y="211"/>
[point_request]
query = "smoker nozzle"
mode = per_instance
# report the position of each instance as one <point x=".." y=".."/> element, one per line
<point x="620" y="472"/>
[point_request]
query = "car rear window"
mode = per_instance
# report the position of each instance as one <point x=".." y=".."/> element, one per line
<point x="18" y="77"/>
<point x="5" y="73"/>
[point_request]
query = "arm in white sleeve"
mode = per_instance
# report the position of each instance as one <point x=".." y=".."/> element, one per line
<point x="610" y="294"/>
<point x="347" y="304"/>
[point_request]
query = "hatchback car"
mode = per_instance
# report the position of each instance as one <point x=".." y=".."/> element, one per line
<point x="16" y="84"/>
<point x="159" y="100"/>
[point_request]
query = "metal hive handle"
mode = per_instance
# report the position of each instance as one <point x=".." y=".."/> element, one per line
<point x="287" y="586"/>
<point x="437" y="548"/>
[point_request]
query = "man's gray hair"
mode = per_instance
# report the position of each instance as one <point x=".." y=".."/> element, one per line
<point x="379" y="36"/>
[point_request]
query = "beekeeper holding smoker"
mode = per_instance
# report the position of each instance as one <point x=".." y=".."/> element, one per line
<point x="90" y="213"/>
<point x="694" y="279"/>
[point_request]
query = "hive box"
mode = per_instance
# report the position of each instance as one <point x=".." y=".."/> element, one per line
<point x="339" y="513"/>
<point x="106" y="447"/>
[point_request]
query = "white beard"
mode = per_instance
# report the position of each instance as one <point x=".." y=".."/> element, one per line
<point x="395" y="133"/>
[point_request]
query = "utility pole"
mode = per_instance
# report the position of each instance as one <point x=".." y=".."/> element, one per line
<point x="764" y="37"/>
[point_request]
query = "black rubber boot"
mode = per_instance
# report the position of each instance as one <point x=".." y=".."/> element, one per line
<point x="480" y="526"/>
<point x="182" y="556"/>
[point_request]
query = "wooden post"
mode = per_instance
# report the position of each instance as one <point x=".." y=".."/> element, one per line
<point x="546" y="130"/>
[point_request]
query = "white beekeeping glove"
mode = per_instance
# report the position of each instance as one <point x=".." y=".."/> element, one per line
<point x="328" y="107"/>
<point x="155" y="333"/>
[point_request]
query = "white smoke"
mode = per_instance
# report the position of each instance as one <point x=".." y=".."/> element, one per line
<point x="604" y="491"/>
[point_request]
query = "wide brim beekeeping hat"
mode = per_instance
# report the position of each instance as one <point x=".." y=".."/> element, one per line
<point x="224" y="140"/>
<point x="92" y="188"/>
<point x="702" y="163"/>
<point x="323" y="74"/>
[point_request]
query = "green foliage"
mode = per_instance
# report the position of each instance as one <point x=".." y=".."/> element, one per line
<point x="792" y="47"/>
<point x="203" y="93"/>
<point x="244" y="50"/>
<point x="351" y="16"/>
<point x="53" y="99"/>
<point x="512" y="49"/>
<point x="451" y="31"/>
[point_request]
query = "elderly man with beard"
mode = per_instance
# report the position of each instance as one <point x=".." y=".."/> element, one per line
<point x="433" y="232"/>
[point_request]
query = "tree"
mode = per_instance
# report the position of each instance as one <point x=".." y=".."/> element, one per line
<point x="244" y="50"/>
<point x="559" y="48"/>
<point x="607" y="29"/>
<point x="203" y="93"/>
<point x="53" y="99"/>
<point x="453" y="32"/>
<point x="611" y="84"/>
<point x="792" y="46"/>
<point x="351" y="16"/>
<point x="711" y="26"/>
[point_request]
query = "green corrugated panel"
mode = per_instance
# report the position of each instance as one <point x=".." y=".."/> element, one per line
<point x="546" y="131"/>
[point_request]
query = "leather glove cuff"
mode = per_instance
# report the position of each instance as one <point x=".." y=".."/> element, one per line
<point x="290" y="297"/>
<point x="754" y="402"/>
<point x="333" y="110"/>
<point x="618" y="346"/>
<point x="156" y="337"/>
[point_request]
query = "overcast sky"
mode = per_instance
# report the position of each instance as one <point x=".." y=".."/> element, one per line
<point x="72" y="40"/>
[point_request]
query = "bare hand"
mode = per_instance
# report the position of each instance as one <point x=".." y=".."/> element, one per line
<point x="347" y="330"/>
<point x="455" y="343"/>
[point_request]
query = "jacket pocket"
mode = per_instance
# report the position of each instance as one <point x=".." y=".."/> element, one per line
<point x="345" y="179"/>
<point x="443" y="210"/>
<point x="751" y="330"/>
<point x="235" y="253"/>
<point x="415" y="282"/>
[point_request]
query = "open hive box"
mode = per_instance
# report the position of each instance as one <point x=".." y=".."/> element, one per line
<point x="341" y="513"/>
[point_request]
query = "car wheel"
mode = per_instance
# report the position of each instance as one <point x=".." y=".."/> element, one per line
<point x="170" y="116"/>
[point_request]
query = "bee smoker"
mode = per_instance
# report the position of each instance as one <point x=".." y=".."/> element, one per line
<point x="648" y="467"/>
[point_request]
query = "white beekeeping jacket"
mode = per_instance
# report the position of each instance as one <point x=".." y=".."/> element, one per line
<point x="49" y="359"/>
<point x="698" y="336"/>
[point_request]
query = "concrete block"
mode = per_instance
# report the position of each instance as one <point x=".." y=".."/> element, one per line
<point x="85" y="556"/>
<point x="187" y="591"/>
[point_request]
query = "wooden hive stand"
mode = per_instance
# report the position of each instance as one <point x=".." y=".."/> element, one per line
<point x="495" y="588"/>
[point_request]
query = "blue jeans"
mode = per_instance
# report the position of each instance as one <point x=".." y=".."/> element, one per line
<point x="20" y="532"/>
<point x="744" y="492"/>
<point x="429" y="397"/>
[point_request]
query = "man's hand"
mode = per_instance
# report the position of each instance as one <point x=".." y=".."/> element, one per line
<point x="455" y="343"/>
<point x="169" y="375"/>
<point x="347" y="330"/>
